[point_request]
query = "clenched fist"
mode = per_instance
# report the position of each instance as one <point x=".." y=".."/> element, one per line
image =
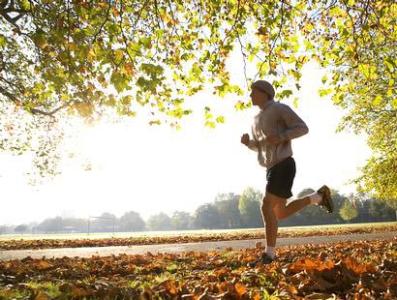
<point x="245" y="139"/>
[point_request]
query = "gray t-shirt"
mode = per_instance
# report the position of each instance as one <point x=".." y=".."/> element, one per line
<point x="280" y="120"/>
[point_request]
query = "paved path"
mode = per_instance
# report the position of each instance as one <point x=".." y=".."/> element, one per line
<point x="202" y="246"/>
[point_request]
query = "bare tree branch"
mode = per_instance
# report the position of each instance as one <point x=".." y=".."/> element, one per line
<point x="51" y="113"/>
<point x="102" y="25"/>
<point x="157" y="14"/>
<point x="7" y="94"/>
<point x="133" y="26"/>
<point x="122" y="31"/>
<point x="3" y="4"/>
<point x="274" y="42"/>
<point x="10" y="20"/>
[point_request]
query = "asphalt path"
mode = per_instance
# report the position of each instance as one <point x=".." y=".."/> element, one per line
<point x="175" y="248"/>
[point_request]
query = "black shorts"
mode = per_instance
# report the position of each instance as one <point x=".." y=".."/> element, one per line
<point x="280" y="178"/>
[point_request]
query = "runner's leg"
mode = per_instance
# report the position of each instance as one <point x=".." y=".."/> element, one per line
<point x="283" y="211"/>
<point x="270" y="201"/>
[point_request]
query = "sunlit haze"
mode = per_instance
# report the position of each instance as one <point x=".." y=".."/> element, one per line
<point x="150" y="169"/>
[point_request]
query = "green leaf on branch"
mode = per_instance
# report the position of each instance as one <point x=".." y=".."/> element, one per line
<point x="325" y="92"/>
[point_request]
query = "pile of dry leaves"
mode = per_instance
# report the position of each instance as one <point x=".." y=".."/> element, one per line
<point x="348" y="270"/>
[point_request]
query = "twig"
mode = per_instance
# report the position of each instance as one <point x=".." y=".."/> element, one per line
<point x="244" y="59"/>
<point x="274" y="42"/>
<point x="52" y="112"/>
<point x="102" y="24"/>
<point x="35" y="110"/>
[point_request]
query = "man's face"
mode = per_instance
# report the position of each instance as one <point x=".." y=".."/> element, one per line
<point x="258" y="97"/>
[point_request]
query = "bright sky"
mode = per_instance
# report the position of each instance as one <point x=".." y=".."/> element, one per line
<point x="152" y="169"/>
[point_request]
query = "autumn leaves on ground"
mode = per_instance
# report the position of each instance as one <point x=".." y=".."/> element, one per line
<point x="44" y="242"/>
<point x="348" y="270"/>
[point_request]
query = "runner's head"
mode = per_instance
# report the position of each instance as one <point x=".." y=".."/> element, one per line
<point x="262" y="91"/>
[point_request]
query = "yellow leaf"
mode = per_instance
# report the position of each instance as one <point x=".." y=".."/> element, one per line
<point x="91" y="55"/>
<point x="43" y="265"/>
<point x="241" y="289"/>
<point x="377" y="101"/>
<point x="78" y="292"/>
<point x="41" y="296"/>
<point x="85" y="109"/>
<point x="170" y="286"/>
<point x="256" y="296"/>
<point x="129" y="69"/>
<point x="119" y="55"/>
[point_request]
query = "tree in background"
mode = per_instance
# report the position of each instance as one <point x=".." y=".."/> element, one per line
<point x="348" y="212"/>
<point x="181" y="220"/>
<point x="50" y="225"/>
<point x="222" y="213"/>
<point x="313" y="215"/>
<point x="131" y="221"/>
<point x="249" y="207"/>
<point x="74" y="225"/>
<point x="380" y="210"/>
<point x="207" y="216"/>
<point x="228" y="208"/>
<point x="21" y="228"/>
<point x="3" y="229"/>
<point x="106" y="222"/>
<point x="160" y="221"/>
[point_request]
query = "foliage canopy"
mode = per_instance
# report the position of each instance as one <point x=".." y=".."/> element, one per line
<point x="80" y="56"/>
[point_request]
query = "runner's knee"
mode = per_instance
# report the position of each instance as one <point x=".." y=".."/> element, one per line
<point x="280" y="214"/>
<point x="266" y="204"/>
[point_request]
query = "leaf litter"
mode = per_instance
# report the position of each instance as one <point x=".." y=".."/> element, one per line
<point x="49" y="243"/>
<point x="346" y="270"/>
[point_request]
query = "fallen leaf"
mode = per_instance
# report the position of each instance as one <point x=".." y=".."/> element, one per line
<point x="241" y="289"/>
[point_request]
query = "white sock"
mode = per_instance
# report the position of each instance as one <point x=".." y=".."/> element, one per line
<point x="315" y="198"/>
<point x="270" y="251"/>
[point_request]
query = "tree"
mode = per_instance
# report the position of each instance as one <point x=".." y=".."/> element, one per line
<point x="131" y="221"/>
<point x="207" y="216"/>
<point x="347" y="211"/>
<point x="51" y="225"/>
<point x="106" y="222"/>
<point x="228" y="208"/>
<point x="380" y="210"/>
<point x="315" y="215"/>
<point x="79" y="57"/>
<point x="21" y="228"/>
<point x="305" y="192"/>
<point x="249" y="207"/>
<point x="74" y="225"/>
<point x="362" y="44"/>
<point x="181" y="220"/>
<point x="310" y="215"/>
<point x="160" y="221"/>
<point x="3" y="229"/>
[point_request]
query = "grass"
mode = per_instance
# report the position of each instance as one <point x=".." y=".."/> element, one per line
<point x="50" y="288"/>
<point x="12" y="293"/>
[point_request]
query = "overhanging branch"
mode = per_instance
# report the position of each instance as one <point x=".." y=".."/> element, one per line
<point x="34" y="111"/>
<point x="52" y="112"/>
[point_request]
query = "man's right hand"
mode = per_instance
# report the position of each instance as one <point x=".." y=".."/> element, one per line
<point x="245" y="139"/>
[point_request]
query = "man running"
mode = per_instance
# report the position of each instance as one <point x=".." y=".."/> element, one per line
<point x="274" y="127"/>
